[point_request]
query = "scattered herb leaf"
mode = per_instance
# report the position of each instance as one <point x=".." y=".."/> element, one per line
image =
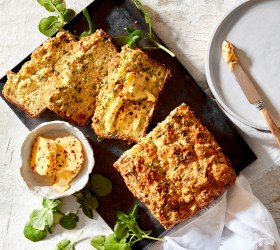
<point x="87" y="211"/>
<point x="135" y="36"/>
<point x="42" y="220"/>
<point x="101" y="186"/>
<point x="98" y="242"/>
<point x="98" y="186"/>
<point x="49" y="25"/>
<point x="145" y="14"/>
<point x="126" y="233"/>
<point x="69" y="221"/>
<point x="121" y="231"/>
<point x="66" y="244"/>
<point x="90" y="24"/>
<point x="91" y="202"/>
<point x="32" y="233"/>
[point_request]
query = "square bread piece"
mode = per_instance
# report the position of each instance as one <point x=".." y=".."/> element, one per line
<point x="177" y="169"/>
<point x="126" y="102"/>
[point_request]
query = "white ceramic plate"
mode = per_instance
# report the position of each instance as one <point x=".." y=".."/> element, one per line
<point x="40" y="185"/>
<point x="254" y="28"/>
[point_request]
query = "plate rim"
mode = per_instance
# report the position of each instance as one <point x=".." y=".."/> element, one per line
<point x="211" y="85"/>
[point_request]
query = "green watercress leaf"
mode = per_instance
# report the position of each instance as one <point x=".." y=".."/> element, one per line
<point x="49" y="218"/>
<point x="56" y="2"/>
<point x="51" y="204"/>
<point x="47" y="5"/>
<point x="32" y="233"/>
<point x="87" y="194"/>
<point x="120" y="231"/>
<point x="101" y="186"/>
<point x="132" y="39"/>
<point x="69" y="221"/>
<point x="43" y="2"/>
<point x="126" y="233"/>
<point x="68" y="14"/>
<point x="91" y="202"/>
<point x="48" y="26"/>
<point x="134" y="212"/>
<point x="98" y="242"/>
<point x="112" y="244"/>
<point x="61" y="7"/>
<point x="64" y="245"/>
<point x="145" y="14"/>
<point x="87" y="211"/>
<point x="90" y="24"/>
<point x="38" y="218"/>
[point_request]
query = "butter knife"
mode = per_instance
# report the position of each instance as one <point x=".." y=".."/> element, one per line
<point x="248" y="87"/>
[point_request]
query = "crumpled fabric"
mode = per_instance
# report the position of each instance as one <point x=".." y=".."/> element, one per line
<point x="237" y="220"/>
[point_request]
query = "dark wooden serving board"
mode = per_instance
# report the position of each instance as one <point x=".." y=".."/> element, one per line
<point x="113" y="17"/>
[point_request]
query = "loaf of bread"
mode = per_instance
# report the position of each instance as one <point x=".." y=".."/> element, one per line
<point x="177" y="169"/>
<point x="126" y="102"/>
<point x="64" y="75"/>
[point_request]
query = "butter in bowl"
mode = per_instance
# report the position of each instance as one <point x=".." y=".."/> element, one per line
<point x="57" y="160"/>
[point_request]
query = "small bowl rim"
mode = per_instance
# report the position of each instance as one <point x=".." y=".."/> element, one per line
<point x="63" y="127"/>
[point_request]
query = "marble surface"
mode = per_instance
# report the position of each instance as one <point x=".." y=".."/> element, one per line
<point x="184" y="26"/>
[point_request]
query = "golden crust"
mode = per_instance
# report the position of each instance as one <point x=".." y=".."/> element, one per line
<point x="125" y="104"/>
<point x="177" y="169"/>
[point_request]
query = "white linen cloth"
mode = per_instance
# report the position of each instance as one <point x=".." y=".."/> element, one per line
<point x="238" y="220"/>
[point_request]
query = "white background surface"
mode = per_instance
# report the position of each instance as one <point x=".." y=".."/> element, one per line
<point x="184" y="26"/>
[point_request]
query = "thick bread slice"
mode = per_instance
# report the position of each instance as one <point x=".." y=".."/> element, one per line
<point x="26" y="88"/>
<point x="78" y="77"/>
<point x="126" y="102"/>
<point x="177" y="169"/>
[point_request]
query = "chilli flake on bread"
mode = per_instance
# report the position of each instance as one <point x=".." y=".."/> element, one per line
<point x="79" y="76"/>
<point x="126" y="102"/>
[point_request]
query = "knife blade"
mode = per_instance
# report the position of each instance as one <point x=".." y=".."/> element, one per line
<point x="246" y="84"/>
<point x="248" y="87"/>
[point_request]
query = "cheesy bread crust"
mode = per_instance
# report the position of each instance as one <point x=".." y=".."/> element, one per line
<point x="177" y="169"/>
<point x="126" y="102"/>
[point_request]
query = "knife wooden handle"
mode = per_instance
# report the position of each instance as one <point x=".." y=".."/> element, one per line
<point x="271" y="124"/>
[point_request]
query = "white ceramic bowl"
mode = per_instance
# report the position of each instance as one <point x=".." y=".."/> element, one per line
<point x="41" y="185"/>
